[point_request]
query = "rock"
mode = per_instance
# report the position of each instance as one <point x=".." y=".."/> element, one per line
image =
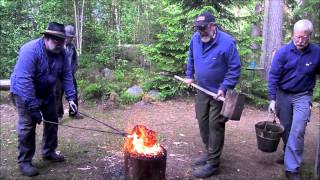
<point x="112" y="102"/>
<point x="107" y="73"/>
<point x="135" y="91"/>
<point x="154" y="94"/>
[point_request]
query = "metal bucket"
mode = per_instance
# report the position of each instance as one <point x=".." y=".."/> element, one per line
<point x="268" y="135"/>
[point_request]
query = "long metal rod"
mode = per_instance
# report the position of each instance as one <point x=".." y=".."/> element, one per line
<point x="201" y="88"/>
<point x="88" y="129"/>
<point x="100" y="122"/>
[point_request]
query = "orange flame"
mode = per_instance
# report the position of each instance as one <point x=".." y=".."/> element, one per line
<point x="142" y="141"/>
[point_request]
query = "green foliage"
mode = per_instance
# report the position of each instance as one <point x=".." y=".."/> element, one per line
<point x="93" y="91"/>
<point x="254" y="87"/>
<point x="22" y="21"/>
<point x="126" y="98"/>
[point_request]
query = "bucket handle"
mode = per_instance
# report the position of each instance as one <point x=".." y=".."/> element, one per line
<point x="274" y="121"/>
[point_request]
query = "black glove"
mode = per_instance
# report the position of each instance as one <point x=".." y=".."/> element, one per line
<point x="35" y="115"/>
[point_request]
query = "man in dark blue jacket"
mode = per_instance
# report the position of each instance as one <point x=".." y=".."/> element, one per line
<point x="73" y="61"/>
<point x="214" y="61"/>
<point x="40" y="63"/>
<point x="292" y="78"/>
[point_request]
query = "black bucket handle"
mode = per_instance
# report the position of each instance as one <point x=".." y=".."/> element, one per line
<point x="274" y="121"/>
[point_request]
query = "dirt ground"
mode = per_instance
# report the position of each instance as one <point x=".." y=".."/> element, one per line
<point x="96" y="155"/>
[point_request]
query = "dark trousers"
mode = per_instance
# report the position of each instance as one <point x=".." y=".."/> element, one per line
<point x="26" y="130"/>
<point x="211" y="125"/>
<point x="59" y="96"/>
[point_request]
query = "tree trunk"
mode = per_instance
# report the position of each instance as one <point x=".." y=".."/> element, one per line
<point x="272" y="32"/>
<point x="79" y="21"/>
<point x="145" y="168"/>
<point x="116" y="16"/>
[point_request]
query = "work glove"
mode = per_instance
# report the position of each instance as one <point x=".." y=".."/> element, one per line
<point x="35" y="115"/>
<point x="73" y="107"/>
<point x="272" y="106"/>
<point x="188" y="81"/>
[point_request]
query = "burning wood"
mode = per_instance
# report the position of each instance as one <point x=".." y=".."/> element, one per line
<point x="144" y="157"/>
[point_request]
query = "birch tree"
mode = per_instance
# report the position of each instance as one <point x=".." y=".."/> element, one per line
<point x="79" y="22"/>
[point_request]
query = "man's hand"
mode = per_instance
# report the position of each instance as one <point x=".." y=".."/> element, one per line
<point x="188" y="81"/>
<point x="35" y="115"/>
<point x="73" y="107"/>
<point x="272" y="106"/>
<point x="219" y="94"/>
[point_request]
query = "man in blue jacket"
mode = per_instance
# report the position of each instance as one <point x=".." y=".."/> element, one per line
<point x="292" y="78"/>
<point x="40" y="63"/>
<point x="214" y="61"/>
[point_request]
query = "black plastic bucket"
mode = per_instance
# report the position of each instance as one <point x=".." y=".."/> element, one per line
<point x="268" y="135"/>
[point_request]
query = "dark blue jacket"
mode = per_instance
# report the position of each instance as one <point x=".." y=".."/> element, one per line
<point x="294" y="71"/>
<point x="72" y="57"/>
<point x="217" y="66"/>
<point x="36" y="71"/>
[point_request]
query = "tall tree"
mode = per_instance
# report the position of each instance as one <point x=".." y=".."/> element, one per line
<point x="79" y="22"/>
<point x="272" y="32"/>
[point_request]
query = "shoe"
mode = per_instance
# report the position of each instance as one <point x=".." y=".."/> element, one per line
<point x="280" y="160"/>
<point x="76" y="116"/>
<point x="28" y="169"/>
<point x="205" y="171"/>
<point x="53" y="157"/>
<point x="293" y="175"/>
<point x="202" y="160"/>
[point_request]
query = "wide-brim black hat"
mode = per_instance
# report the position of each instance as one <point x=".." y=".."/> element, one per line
<point x="55" y="29"/>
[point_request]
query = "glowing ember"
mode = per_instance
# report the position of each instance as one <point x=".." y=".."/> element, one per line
<point x="142" y="141"/>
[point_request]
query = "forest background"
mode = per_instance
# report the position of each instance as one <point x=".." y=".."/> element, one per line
<point x="122" y="43"/>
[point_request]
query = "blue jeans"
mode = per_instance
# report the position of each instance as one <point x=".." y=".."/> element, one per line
<point x="26" y="130"/>
<point x="294" y="112"/>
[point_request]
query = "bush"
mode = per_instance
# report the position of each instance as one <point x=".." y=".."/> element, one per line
<point x="316" y="92"/>
<point x="93" y="91"/>
<point x="254" y="87"/>
<point x="127" y="98"/>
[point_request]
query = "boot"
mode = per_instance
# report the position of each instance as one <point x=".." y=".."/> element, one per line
<point x="28" y="169"/>
<point x="205" y="171"/>
<point x="202" y="160"/>
<point x="293" y="175"/>
<point x="76" y="116"/>
<point x="53" y="157"/>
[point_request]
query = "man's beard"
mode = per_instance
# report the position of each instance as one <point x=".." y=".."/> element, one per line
<point x="205" y="39"/>
<point x="207" y="36"/>
<point x="54" y="48"/>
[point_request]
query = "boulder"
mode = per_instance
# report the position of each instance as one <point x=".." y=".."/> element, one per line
<point x="107" y="74"/>
<point x="135" y="91"/>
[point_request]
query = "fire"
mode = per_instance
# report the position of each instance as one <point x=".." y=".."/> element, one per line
<point x="142" y="141"/>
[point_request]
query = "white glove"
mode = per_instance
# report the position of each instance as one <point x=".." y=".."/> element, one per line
<point x="272" y="106"/>
<point x="73" y="106"/>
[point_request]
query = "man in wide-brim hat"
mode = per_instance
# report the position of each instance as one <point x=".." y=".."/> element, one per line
<point x="40" y="63"/>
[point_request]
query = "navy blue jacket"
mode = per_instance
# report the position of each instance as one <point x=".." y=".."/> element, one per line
<point x="72" y="57"/>
<point x="294" y="71"/>
<point x="35" y="74"/>
<point x="217" y="66"/>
